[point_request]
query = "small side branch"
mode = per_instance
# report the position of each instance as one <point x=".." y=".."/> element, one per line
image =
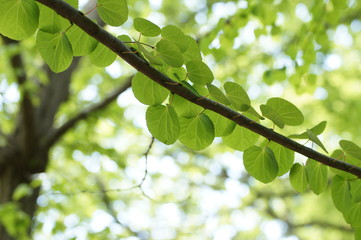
<point x="84" y="114"/>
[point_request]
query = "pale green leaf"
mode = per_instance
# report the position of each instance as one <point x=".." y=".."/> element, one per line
<point x="315" y="139"/>
<point x="284" y="157"/>
<point x="175" y="35"/>
<point x="163" y="123"/>
<point x="199" y="72"/>
<point x="222" y="126"/>
<point x="241" y="138"/>
<point x="55" y="49"/>
<point x="82" y="44"/>
<point x="146" y="27"/>
<point x="316" y="175"/>
<point x="354" y="215"/>
<point x="217" y="94"/>
<point x="237" y="96"/>
<point x="355" y="190"/>
<point x="170" y="53"/>
<point x="193" y="52"/>
<point x="298" y="177"/>
<point x="260" y="163"/>
<point x="271" y="114"/>
<point x="317" y="130"/>
<point x="340" y="192"/>
<point x="289" y="113"/>
<point x="351" y="148"/>
<point x="113" y="12"/>
<point x="185" y="108"/>
<point x="18" y="19"/>
<point x="147" y="91"/>
<point x="102" y="56"/>
<point x="197" y="132"/>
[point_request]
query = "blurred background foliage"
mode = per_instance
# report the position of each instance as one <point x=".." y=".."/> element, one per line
<point x="305" y="51"/>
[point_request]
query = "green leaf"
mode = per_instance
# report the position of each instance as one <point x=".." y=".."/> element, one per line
<point x="199" y="72"/>
<point x="222" y="126"/>
<point x="317" y="176"/>
<point x="241" y="138"/>
<point x="217" y="94"/>
<point x="284" y="157"/>
<point x="151" y="56"/>
<point x="315" y="139"/>
<point x="18" y="19"/>
<point x="260" y="163"/>
<point x="340" y="192"/>
<point x="254" y="113"/>
<point x="147" y="91"/>
<point x="193" y="52"/>
<point x="185" y="108"/>
<point x="317" y="130"/>
<point x="170" y="53"/>
<point x="82" y="44"/>
<point x="197" y="132"/>
<point x="340" y="155"/>
<point x="351" y="148"/>
<point x="113" y="12"/>
<point x="356" y="190"/>
<point x="163" y="124"/>
<point x="271" y="114"/>
<point x="51" y="22"/>
<point x="289" y="113"/>
<point x="102" y="56"/>
<point x="146" y="27"/>
<point x="298" y="177"/>
<point x="354" y="215"/>
<point x="175" y="35"/>
<point x="55" y="49"/>
<point x="237" y="96"/>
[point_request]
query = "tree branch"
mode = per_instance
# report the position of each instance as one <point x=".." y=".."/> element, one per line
<point x="59" y="132"/>
<point x="88" y="26"/>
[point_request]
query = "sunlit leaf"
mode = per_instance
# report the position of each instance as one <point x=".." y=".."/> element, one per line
<point x="289" y="113"/>
<point x="316" y="175"/>
<point x="272" y="115"/>
<point x="163" y="124"/>
<point x="340" y="192"/>
<point x="147" y="91"/>
<point x="217" y="94"/>
<point x="102" y="56"/>
<point x="18" y="19"/>
<point x="284" y="157"/>
<point x="113" y="12"/>
<point x="199" y="72"/>
<point x="82" y="44"/>
<point x="176" y="36"/>
<point x="351" y="148"/>
<point x="237" y="96"/>
<point x="192" y="53"/>
<point x="146" y="27"/>
<point x="260" y="163"/>
<point x="55" y="49"/>
<point x="222" y="126"/>
<point x="241" y="138"/>
<point x="298" y="177"/>
<point x="197" y="132"/>
<point x="170" y="53"/>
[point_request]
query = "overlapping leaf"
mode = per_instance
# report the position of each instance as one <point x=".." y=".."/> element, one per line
<point x="340" y="192"/>
<point x="197" y="132"/>
<point x="284" y="157"/>
<point x="176" y="36"/>
<point x="237" y="96"/>
<point x="199" y="72"/>
<point x="260" y="163"/>
<point x="240" y="139"/>
<point x="163" y="123"/>
<point x="102" y="56"/>
<point x="222" y="126"/>
<point x="147" y="91"/>
<point x="316" y="175"/>
<point x="55" y="49"/>
<point x="170" y="53"/>
<point x="82" y="44"/>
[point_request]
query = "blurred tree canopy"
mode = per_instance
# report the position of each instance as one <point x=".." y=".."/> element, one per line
<point x="82" y="156"/>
